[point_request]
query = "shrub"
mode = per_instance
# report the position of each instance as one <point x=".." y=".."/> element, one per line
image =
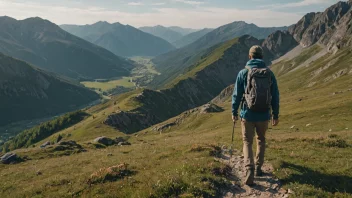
<point x="44" y="130"/>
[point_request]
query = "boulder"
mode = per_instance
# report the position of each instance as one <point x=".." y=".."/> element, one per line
<point x="10" y="158"/>
<point x="104" y="140"/>
<point x="210" y="108"/>
<point x="45" y="145"/>
<point x="124" y="144"/>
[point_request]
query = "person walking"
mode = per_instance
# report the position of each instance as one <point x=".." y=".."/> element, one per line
<point x="256" y="91"/>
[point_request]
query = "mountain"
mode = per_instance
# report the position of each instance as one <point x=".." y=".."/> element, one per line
<point x="28" y="93"/>
<point x="331" y="27"/>
<point x="190" y="38"/>
<point x="197" y="86"/>
<point x="171" y="64"/>
<point x="183" y="31"/>
<point x="47" y="46"/>
<point x="122" y="40"/>
<point x="188" y="155"/>
<point x="163" y="32"/>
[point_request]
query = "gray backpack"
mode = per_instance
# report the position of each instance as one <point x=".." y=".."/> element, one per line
<point x="258" y="91"/>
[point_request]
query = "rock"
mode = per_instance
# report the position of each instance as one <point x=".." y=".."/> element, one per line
<point x="104" y="140"/>
<point x="38" y="173"/>
<point x="289" y="191"/>
<point x="279" y="42"/>
<point x="109" y="154"/>
<point x="10" y="158"/>
<point x="330" y="130"/>
<point x="275" y="186"/>
<point x="163" y="127"/>
<point x="210" y="108"/>
<point x="69" y="146"/>
<point x="308" y="125"/>
<point x="346" y="128"/>
<point x="124" y="144"/>
<point x="45" y="144"/>
<point x="292" y="127"/>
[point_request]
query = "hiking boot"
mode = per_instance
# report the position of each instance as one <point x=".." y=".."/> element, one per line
<point x="258" y="172"/>
<point x="249" y="178"/>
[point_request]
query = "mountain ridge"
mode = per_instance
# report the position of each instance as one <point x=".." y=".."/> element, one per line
<point x="47" y="46"/>
<point x="29" y="93"/>
<point x="173" y="63"/>
<point x="122" y="40"/>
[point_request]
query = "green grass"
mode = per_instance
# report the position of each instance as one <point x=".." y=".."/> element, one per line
<point x="310" y="160"/>
<point x="205" y="61"/>
<point x="285" y="66"/>
<point x="106" y="86"/>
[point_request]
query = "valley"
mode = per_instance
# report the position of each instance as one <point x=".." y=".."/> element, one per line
<point x="127" y="118"/>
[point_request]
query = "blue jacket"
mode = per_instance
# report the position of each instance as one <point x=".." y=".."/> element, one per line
<point x="240" y="87"/>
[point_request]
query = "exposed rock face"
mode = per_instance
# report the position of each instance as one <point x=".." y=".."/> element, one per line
<point x="129" y="122"/>
<point x="207" y="108"/>
<point x="104" y="140"/>
<point x="279" y="43"/>
<point x="210" y="108"/>
<point x="161" y="105"/>
<point x="10" y="158"/>
<point x="70" y="146"/>
<point x="45" y="145"/>
<point x="224" y="95"/>
<point x="334" y="22"/>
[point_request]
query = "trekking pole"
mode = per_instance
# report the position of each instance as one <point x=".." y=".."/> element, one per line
<point x="232" y="140"/>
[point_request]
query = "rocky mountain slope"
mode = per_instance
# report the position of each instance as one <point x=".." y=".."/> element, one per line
<point x="173" y="63"/>
<point x="28" y="93"/>
<point x="47" y="46"/>
<point x="331" y="27"/>
<point x="122" y="40"/>
<point x="163" y="32"/>
<point x="190" y="38"/>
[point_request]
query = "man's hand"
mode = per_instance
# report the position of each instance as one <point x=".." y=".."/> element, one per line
<point x="275" y="122"/>
<point x="234" y="119"/>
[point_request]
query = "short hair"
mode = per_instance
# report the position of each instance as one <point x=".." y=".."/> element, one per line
<point x="256" y="52"/>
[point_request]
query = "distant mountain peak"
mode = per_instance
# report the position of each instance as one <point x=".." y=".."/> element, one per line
<point x="331" y="26"/>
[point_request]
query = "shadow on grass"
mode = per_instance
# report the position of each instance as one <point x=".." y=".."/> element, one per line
<point x="328" y="182"/>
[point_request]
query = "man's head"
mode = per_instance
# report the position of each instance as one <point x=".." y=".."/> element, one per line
<point x="256" y="52"/>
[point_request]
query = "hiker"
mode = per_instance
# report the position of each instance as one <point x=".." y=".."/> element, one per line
<point x="257" y="92"/>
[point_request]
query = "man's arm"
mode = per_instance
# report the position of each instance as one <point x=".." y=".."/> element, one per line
<point x="237" y="94"/>
<point x="275" y="102"/>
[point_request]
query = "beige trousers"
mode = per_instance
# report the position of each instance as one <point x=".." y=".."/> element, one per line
<point x="248" y="132"/>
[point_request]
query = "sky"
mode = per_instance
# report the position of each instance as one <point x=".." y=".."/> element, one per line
<point x="184" y="13"/>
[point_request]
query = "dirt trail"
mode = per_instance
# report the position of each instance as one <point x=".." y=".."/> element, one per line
<point x="266" y="186"/>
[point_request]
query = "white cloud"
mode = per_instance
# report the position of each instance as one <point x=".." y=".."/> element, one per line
<point x="135" y="3"/>
<point x="158" y="4"/>
<point x="300" y="4"/>
<point x="190" y="2"/>
<point x="198" y="17"/>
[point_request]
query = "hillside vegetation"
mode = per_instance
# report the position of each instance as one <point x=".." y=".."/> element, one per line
<point x="44" y="130"/>
<point x="178" y="159"/>
<point x="29" y="93"/>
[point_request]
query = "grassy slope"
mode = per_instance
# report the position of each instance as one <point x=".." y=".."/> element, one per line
<point x="214" y="56"/>
<point x="303" y="158"/>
